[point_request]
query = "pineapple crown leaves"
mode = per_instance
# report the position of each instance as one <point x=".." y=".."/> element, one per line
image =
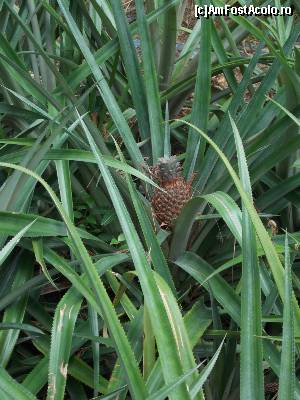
<point x="166" y="169"/>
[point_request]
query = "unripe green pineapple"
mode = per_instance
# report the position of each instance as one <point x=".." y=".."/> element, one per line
<point x="167" y="204"/>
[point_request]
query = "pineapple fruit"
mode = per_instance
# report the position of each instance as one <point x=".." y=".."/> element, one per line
<point x="167" y="204"/>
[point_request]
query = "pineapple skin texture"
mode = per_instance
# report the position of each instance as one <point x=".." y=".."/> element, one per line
<point x="167" y="205"/>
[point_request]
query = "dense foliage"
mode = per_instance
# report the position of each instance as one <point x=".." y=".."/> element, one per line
<point x="97" y="299"/>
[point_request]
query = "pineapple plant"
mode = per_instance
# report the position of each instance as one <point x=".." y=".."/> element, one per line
<point x="167" y="203"/>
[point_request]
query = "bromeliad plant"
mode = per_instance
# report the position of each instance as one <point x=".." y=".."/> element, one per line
<point x="149" y="217"/>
